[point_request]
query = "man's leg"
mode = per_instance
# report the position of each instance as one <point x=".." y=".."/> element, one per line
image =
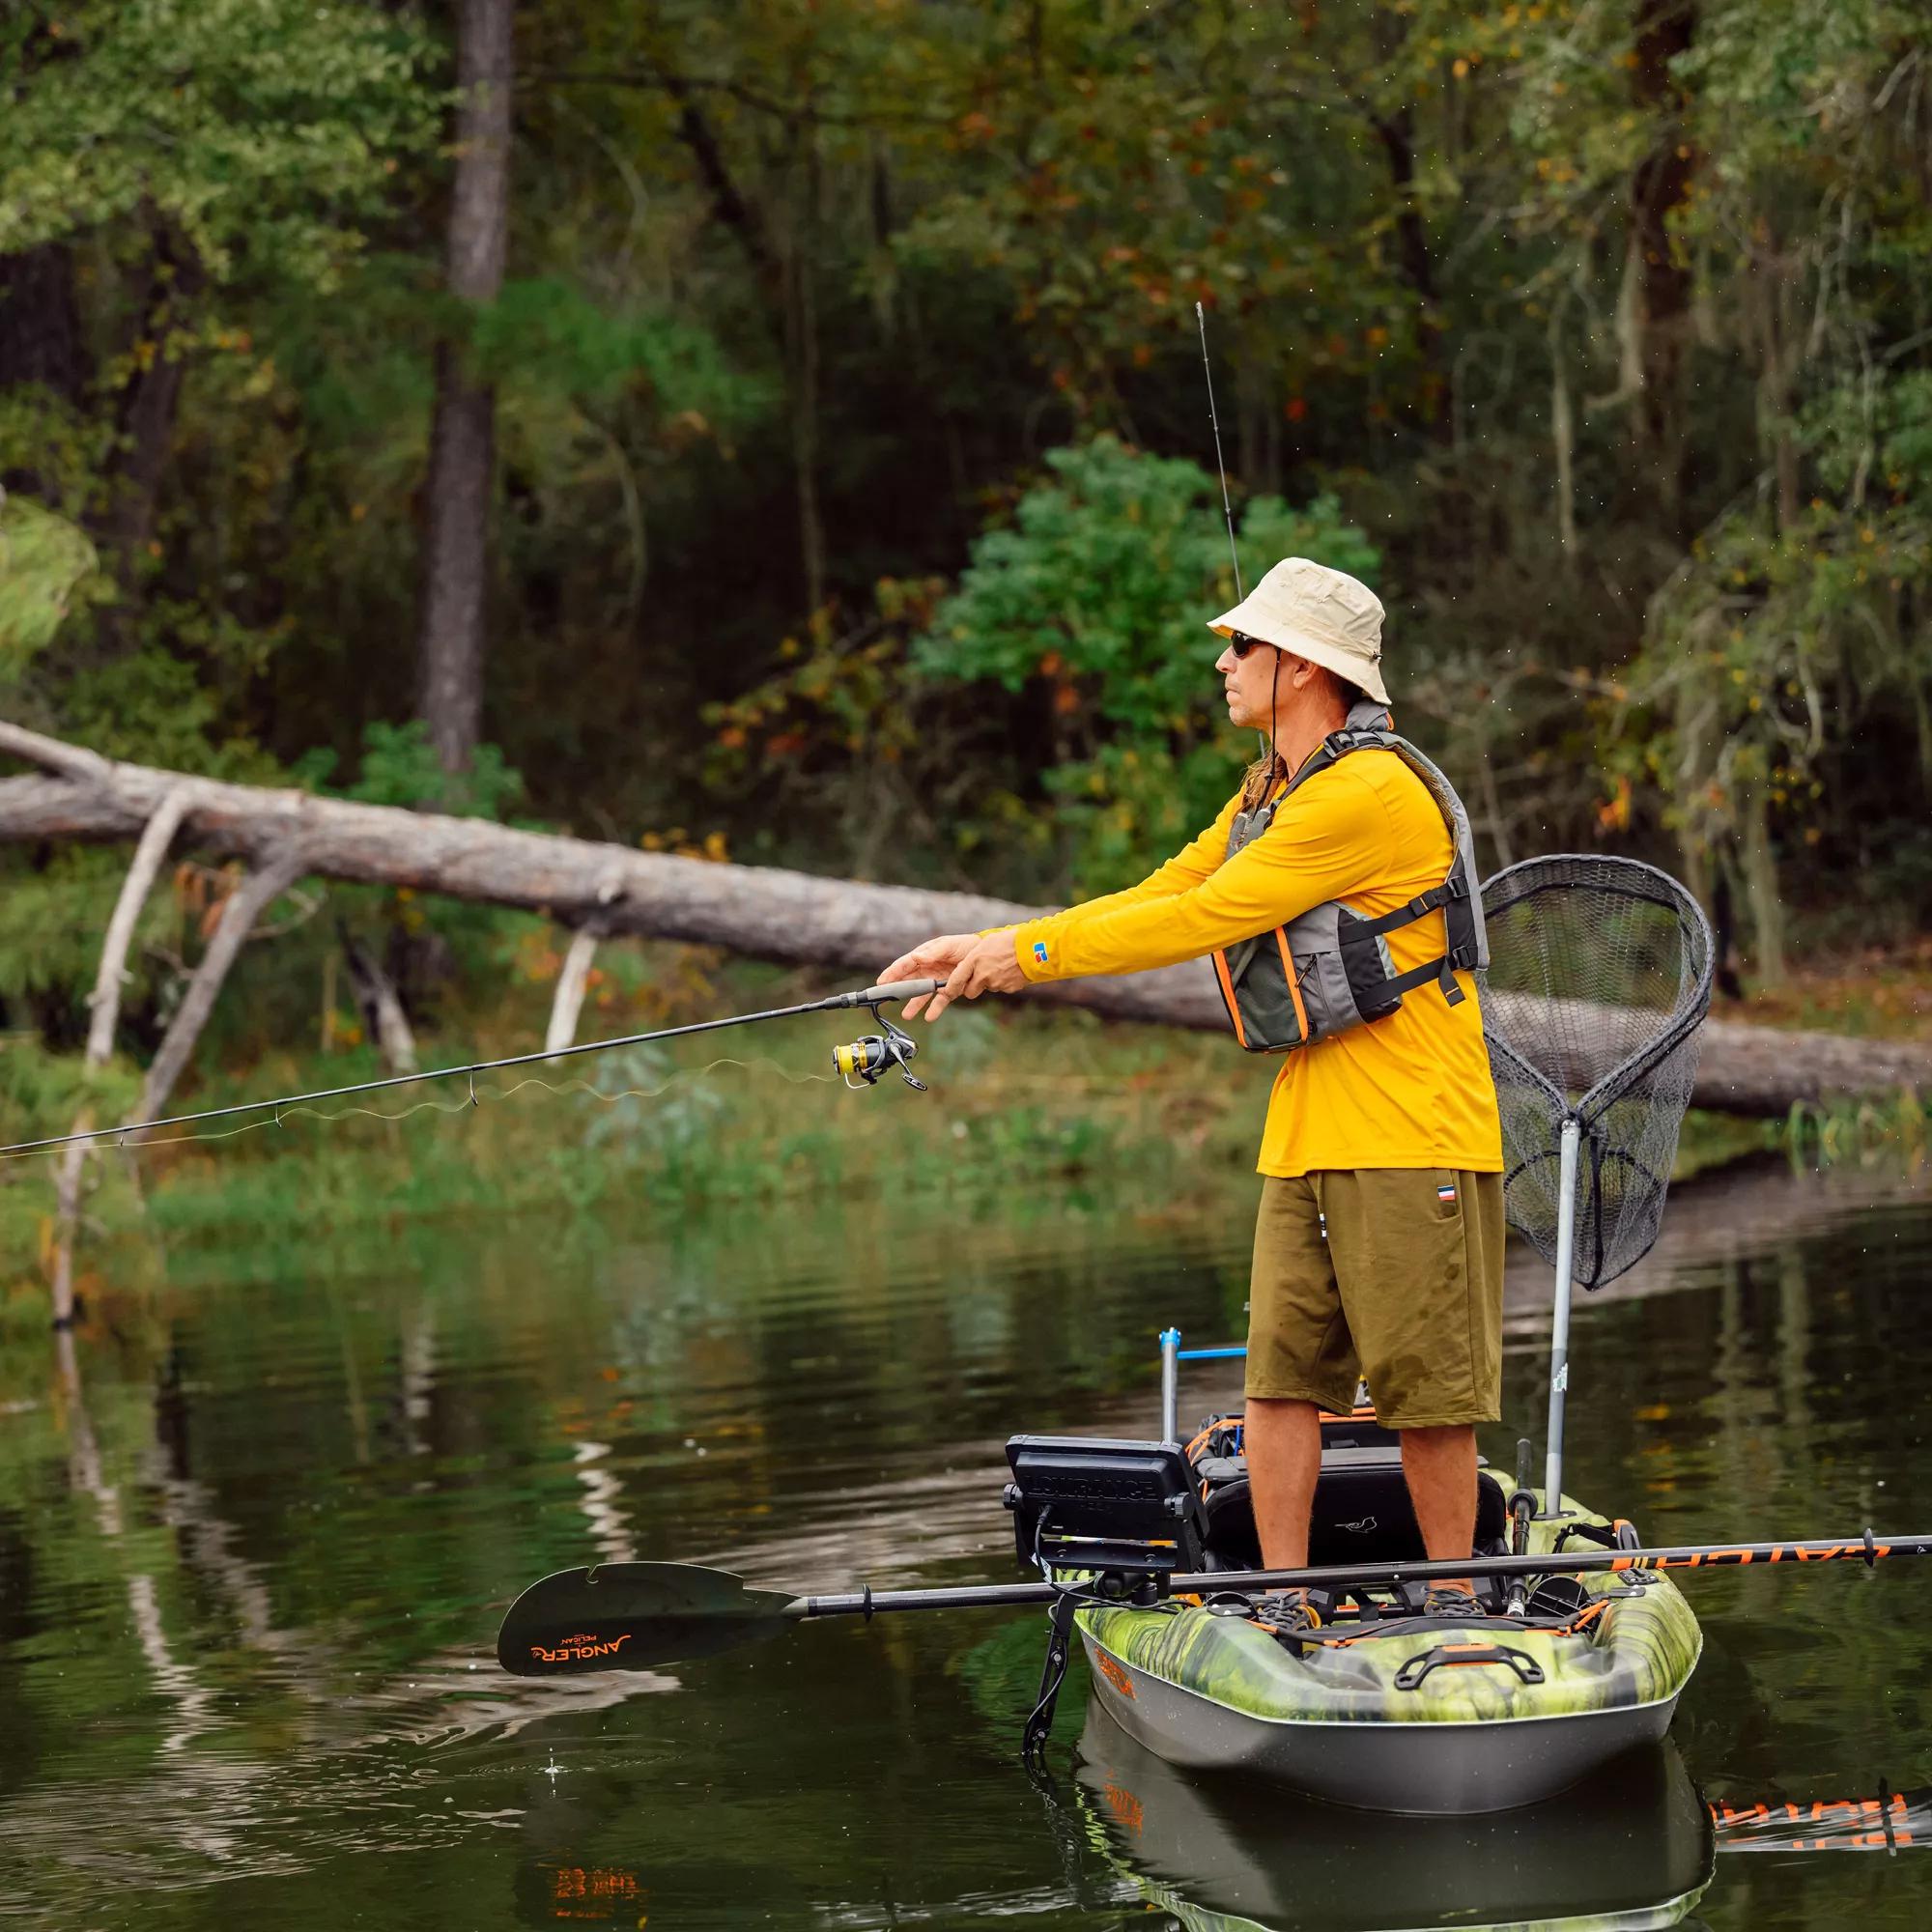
<point x="1284" y="1450"/>
<point x="1418" y="1263"/>
<point x="1439" y="1466"/>
<point x="1300" y="1354"/>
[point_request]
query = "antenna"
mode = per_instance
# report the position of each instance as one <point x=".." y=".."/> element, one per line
<point x="1227" y="508"/>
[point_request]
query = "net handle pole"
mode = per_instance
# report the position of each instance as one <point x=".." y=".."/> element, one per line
<point x="1560" y="1317"/>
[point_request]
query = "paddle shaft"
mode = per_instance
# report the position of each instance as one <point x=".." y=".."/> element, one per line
<point x="872" y="997"/>
<point x="1864" y="1548"/>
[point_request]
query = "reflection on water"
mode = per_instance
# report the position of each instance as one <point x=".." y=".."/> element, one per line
<point x="255" y="1537"/>
<point x="1632" y="1847"/>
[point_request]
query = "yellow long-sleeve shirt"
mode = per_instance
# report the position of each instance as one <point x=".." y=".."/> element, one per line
<point x="1409" y="1090"/>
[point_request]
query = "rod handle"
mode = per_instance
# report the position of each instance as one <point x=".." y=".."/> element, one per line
<point x="900" y="989"/>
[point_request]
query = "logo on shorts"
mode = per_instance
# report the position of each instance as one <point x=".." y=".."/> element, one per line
<point x="1445" y="1192"/>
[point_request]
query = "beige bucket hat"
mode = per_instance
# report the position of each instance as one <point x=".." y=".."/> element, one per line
<point x="1325" y="616"/>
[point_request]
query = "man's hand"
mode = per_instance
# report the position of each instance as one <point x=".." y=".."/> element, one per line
<point x="936" y="959"/>
<point x="991" y="967"/>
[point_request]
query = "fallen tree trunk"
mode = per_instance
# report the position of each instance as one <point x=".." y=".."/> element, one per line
<point x="789" y="917"/>
<point x="792" y="918"/>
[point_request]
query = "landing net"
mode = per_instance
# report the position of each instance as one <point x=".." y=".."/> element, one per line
<point x="1599" y="978"/>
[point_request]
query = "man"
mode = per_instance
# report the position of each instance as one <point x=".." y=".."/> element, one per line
<point x="1378" y="1243"/>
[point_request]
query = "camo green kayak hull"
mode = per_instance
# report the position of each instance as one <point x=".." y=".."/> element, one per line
<point x="1436" y="1716"/>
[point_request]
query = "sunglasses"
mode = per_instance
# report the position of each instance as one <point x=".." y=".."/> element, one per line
<point x="1241" y="644"/>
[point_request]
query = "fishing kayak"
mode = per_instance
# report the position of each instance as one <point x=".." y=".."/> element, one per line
<point x="1385" y="1706"/>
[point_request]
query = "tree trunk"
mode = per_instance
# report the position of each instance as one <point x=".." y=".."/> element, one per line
<point x="784" y="276"/>
<point x="1563" y="437"/>
<point x="145" y="413"/>
<point x="41" y="340"/>
<point x="105" y="1009"/>
<point x="801" y="366"/>
<point x="1761" y="892"/>
<point x="769" y="914"/>
<point x="462" y="467"/>
<point x="568" y="1005"/>
<point x="1396" y="135"/>
<point x="278" y="871"/>
<point x="1661" y="184"/>
<point x="381" y="1006"/>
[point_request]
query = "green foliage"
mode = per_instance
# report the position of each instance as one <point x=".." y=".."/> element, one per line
<point x="50" y="923"/>
<point x="154" y="708"/>
<point x="545" y="334"/>
<point x="1867" y="1131"/>
<point x="46" y="567"/>
<point x="784" y="282"/>
<point x="40" y="1092"/>
<point x="400" y="767"/>
<point x="1792" y="671"/>
<point x="1097" y="596"/>
<point x="274" y="122"/>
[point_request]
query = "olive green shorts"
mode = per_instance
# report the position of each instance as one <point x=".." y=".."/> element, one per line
<point x="1392" y="1274"/>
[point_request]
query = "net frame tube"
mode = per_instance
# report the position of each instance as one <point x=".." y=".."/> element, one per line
<point x="1559" y="1313"/>
<point x="1170" y="1385"/>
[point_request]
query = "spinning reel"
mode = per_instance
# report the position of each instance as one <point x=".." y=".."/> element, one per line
<point x="865" y="1061"/>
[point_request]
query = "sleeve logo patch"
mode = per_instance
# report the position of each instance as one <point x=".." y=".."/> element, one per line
<point x="1040" y="951"/>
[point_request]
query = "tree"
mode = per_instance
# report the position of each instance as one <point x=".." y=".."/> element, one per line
<point x="462" y="466"/>
<point x="1093" y="604"/>
<point x="194" y="162"/>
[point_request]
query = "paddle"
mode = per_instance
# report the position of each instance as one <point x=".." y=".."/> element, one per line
<point x="636" y="1616"/>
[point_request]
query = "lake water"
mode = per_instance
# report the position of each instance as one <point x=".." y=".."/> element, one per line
<point x="258" y="1526"/>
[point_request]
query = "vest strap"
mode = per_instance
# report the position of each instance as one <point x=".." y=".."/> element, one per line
<point x="1440" y="972"/>
<point x="1415" y="909"/>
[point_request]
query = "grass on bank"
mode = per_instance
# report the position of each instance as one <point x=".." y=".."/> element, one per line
<point x="1032" y="1112"/>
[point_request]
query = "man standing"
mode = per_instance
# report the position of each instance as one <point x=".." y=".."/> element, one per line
<point x="1378" y="1244"/>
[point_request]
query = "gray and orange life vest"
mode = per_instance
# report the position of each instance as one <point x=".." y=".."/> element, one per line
<point x="1329" y="969"/>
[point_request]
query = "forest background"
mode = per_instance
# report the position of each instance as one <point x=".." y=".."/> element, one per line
<point x="777" y="431"/>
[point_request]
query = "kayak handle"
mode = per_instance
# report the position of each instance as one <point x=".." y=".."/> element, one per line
<point x="1411" y="1674"/>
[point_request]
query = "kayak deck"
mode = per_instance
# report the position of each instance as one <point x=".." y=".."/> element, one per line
<point x="1381" y="1704"/>
<point x="1395" y="1711"/>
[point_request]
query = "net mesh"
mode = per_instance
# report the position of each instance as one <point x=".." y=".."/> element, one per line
<point x="1599" y="976"/>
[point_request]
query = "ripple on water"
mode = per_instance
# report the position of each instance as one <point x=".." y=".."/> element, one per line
<point x="253" y="1557"/>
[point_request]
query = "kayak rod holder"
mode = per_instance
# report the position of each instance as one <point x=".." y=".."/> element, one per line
<point x="1559" y="1314"/>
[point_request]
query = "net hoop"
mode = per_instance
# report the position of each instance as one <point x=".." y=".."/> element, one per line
<point x="1650" y="885"/>
<point x="1601" y="975"/>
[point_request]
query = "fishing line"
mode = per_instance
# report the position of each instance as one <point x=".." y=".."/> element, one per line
<point x="862" y="1063"/>
<point x="1227" y="513"/>
<point x="473" y="1097"/>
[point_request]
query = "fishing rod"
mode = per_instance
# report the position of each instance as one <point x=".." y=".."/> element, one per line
<point x="862" y="1063"/>
<point x="636" y="1616"/>
<point x="1227" y="508"/>
<point x="1228" y="514"/>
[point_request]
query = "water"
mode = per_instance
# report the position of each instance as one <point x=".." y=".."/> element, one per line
<point x="256" y="1528"/>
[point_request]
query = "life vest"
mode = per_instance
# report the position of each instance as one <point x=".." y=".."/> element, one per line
<point x="1329" y="969"/>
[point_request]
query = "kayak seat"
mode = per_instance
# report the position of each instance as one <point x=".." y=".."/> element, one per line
<point x="1362" y="1510"/>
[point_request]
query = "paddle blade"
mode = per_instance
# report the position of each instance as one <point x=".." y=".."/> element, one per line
<point x="634" y="1616"/>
